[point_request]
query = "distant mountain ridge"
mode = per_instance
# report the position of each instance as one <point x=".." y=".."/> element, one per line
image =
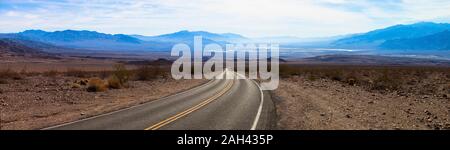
<point x="185" y="35"/>
<point x="92" y="40"/>
<point x="75" y="36"/>
<point x="438" y="41"/>
<point x="73" y="39"/>
<point x="375" y="39"/>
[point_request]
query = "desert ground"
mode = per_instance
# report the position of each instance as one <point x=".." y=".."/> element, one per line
<point x="363" y="98"/>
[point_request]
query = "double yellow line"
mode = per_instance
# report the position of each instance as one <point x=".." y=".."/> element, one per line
<point x="192" y="109"/>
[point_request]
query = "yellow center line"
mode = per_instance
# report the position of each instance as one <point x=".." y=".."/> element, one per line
<point x="192" y="109"/>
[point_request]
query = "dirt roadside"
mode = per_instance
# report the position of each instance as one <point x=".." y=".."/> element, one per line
<point x="331" y="105"/>
<point x="38" y="101"/>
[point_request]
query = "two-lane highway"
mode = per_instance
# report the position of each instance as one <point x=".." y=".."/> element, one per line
<point x="225" y="104"/>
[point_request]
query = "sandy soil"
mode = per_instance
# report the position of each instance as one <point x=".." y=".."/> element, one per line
<point x="331" y="105"/>
<point x="37" y="102"/>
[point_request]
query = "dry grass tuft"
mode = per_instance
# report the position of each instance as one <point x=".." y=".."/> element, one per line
<point x="97" y="85"/>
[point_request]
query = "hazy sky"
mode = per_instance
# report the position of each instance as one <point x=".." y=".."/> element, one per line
<point x="253" y="18"/>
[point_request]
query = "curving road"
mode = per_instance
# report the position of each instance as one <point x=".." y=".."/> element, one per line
<point x="227" y="104"/>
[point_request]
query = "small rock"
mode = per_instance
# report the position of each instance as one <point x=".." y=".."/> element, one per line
<point x="445" y="96"/>
<point x="383" y="113"/>
<point x="38" y="98"/>
<point x="447" y="126"/>
<point x="322" y="114"/>
<point x="427" y="112"/>
<point x="83" y="82"/>
<point x="76" y="86"/>
<point x="82" y="113"/>
<point x="408" y="111"/>
<point x="348" y="116"/>
<point x="371" y="102"/>
<point x="365" y="113"/>
<point x="2" y="102"/>
<point x="421" y="120"/>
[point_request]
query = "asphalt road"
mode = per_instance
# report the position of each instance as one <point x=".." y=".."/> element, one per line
<point x="225" y="104"/>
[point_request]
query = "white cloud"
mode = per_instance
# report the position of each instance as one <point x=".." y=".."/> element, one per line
<point x="307" y="18"/>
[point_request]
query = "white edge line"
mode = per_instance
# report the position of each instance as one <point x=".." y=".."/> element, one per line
<point x="255" y="123"/>
<point x="258" y="114"/>
<point x="120" y="110"/>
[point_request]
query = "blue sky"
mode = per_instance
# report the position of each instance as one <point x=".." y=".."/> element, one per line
<point x="253" y="18"/>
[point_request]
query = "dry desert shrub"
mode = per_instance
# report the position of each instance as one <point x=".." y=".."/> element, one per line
<point x="114" y="82"/>
<point x="144" y="73"/>
<point x="121" y="73"/>
<point x="97" y="85"/>
<point x="9" y="74"/>
<point x="149" y="72"/>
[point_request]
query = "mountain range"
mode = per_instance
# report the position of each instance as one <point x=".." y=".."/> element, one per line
<point x="418" y="36"/>
<point x="413" y="37"/>
<point x="185" y="35"/>
<point x="92" y="40"/>
<point x="437" y="41"/>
